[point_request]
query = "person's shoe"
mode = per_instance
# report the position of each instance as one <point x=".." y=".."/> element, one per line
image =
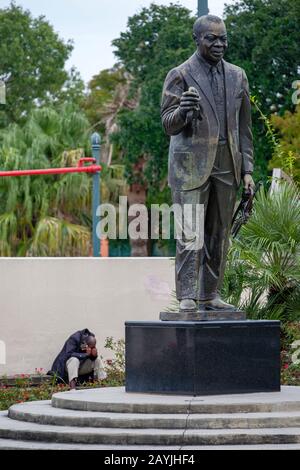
<point x="188" y="305"/>
<point x="216" y="304"/>
<point x="73" y="384"/>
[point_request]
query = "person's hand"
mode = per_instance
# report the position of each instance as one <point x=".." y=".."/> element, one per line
<point x="249" y="182"/>
<point x="88" y="351"/>
<point x="190" y="101"/>
<point x="94" y="352"/>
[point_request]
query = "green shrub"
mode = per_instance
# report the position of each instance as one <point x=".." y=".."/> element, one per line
<point x="264" y="262"/>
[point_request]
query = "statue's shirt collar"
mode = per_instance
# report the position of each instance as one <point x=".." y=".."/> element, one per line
<point x="207" y="66"/>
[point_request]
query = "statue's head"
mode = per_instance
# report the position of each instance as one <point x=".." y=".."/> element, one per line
<point x="210" y="36"/>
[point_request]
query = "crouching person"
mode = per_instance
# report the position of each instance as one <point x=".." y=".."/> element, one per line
<point x="79" y="358"/>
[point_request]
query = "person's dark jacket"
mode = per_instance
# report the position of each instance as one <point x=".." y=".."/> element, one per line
<point x="72" y="348"/>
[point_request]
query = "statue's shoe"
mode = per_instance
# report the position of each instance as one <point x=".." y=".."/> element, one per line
<point x="188" y="305"/>
<point x="216" y="304"/>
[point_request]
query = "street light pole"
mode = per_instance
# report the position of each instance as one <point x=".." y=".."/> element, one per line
<point x="96" y="151"/>
<point x="202" y="7"/>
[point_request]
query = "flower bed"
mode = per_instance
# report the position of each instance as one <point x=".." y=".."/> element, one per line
<point x="290" y="354"/>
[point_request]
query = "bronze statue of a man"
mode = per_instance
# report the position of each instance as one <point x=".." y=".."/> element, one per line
<point x="206" y="110"/>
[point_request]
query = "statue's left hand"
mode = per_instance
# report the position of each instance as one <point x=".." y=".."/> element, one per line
<point x="249" y="182"/>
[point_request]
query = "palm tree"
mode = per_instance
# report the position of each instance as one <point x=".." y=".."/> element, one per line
<point x="45" y="215"/>
<point x="263" y="274"/>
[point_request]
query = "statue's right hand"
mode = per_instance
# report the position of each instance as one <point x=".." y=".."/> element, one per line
<point x="190" y="101"/>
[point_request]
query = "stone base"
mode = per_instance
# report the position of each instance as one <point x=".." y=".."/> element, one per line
<point x="204" y="315"/>
<point x="203" y="358"/>
<point x="110" y="419"/>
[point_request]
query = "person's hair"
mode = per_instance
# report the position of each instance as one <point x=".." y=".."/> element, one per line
<point x="201" y="23"/>
<point x="90" y="338"/>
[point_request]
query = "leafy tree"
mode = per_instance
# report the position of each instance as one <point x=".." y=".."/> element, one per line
<point x="32" y="60"/>
<point x="73" y="90"/>
<point x="45" y="215"/>
<point x="289" y="128"/>
<point x="101" y="91"/>
<point x="107" y="95"/>
<point x="264" y="40"/>
<point x="157" y="39"/>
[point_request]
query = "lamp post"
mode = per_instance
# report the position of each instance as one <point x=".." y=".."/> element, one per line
<point x="96" y="150"/>
<point x="203" y="7"/>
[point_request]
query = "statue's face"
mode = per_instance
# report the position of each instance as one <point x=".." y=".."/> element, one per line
<point x="212" y="43"/>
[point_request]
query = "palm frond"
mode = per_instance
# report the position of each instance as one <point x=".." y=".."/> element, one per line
<point x="8" y="229"/>
<point x="57" y="238"/>
<point x="35" y="202"/>
<point x="263" y="269"/>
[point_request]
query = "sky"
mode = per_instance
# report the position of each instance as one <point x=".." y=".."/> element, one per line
<point x="93" y="24"/>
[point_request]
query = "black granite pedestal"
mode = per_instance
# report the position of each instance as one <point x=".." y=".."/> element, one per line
<point x="203" y="358"/>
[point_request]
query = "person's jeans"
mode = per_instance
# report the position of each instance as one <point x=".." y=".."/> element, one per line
<point x="76" y="368"/>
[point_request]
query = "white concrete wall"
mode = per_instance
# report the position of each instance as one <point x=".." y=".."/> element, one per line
<point x="44" y="300"/>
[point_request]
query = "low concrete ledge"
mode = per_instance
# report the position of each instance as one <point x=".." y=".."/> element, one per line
<point x="45" y="300"/>
<point x="116" y="400"/>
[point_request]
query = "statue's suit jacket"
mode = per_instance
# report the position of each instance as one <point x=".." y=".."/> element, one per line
<point x="193" y="148"/>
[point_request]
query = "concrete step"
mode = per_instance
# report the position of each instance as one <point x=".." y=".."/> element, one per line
<point x="111" y="419"/>
<point x="8" y="444"/>
<point x="17" y="430"/>
<point x="44" y="413"/>
<point x="116" y="400"/>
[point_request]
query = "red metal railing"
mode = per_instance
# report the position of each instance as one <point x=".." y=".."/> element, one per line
<point x="58" y="171"/>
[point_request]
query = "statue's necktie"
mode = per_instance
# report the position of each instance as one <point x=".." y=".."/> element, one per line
<point x="214" y="82"/>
